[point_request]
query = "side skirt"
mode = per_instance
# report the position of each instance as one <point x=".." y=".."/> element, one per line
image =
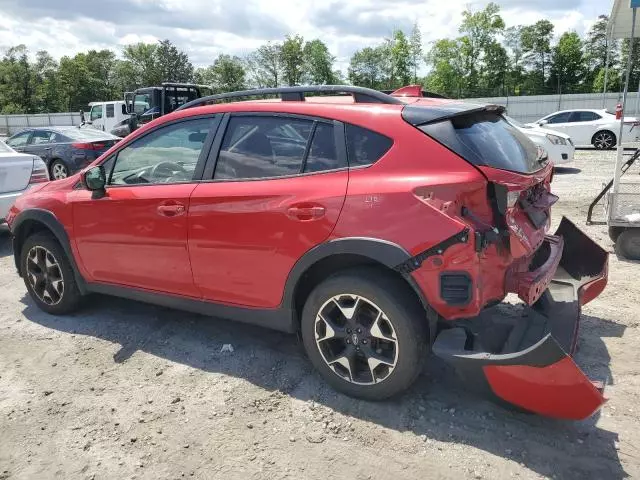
<point x="278" y="318"/>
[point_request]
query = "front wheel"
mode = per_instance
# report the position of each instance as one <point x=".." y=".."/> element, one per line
<point x="48" y="274"/>
<point x="604" y="140"/>
<point x="366" y="333"/>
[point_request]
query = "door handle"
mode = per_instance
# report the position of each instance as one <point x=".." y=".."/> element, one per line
<point x="306" y="213"/>
<point x="172" y="210"/>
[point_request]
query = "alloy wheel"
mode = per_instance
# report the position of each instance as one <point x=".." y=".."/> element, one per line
<point x="59" y="171"/>
<point x="45" y="275"/>
<point x="603" y="141"/>
<point x="356" y="339"/>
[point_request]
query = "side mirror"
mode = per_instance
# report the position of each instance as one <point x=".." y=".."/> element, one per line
<point x="543" y="122"/>
<point x="95" y="180"/>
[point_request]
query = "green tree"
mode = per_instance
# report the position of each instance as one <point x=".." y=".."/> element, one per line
<point x="401" y="60"/>
<point x="536" y="47"/>
<point x="265" y="65"/>
<point x="140" y="68"/>
<point x="47" y="89"/>
<point x="567" y="70"/>
<point x="447" y="68"/>
<point x="366" y="68"/>
<point x="171" y="64"/>
<point x="515" y="68"/>
<point x="596" y="45"/>
<point x="318" y="63"/>
<point x="479" y="30"/>
<point x="17" y="81"/>
<point x="227" y="74"/>
<point x="415" y="49"/>
<point x="292" y="59"/>
<point x="494" y="72"/>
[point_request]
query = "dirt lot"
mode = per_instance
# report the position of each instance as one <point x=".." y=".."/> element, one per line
<point x="127" y="390"/>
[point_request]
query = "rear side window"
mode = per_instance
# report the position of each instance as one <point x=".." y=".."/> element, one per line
<point x="110" y="110"/>
<point x="584" y="117"/>
<point x="365" y="147"/>
<point x="485" y="138"/>
<point x="271" y="147"/>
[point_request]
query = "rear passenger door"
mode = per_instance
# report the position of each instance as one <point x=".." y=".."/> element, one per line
<point x="40" y="144"/>
<point x="273" y="189"/>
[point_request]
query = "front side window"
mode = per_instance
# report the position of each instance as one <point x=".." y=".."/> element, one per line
<point x="110" y="110"/>
<point x="96" y="112"/>
<point x="559" y="118"/>
<point x="263" y="147"/>
<point x="166" y="155"/>
<point x="19" y="140"/>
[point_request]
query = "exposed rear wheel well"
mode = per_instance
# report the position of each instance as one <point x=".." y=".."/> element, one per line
<point x="333" y="264"/>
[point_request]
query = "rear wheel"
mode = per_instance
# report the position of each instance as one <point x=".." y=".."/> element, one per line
<point x="604" y="140"/>
<point x="628" y="244"/>
<point x="366" y="333"/>
<point x="58" y="170"/>
<point x="48" y="275"/>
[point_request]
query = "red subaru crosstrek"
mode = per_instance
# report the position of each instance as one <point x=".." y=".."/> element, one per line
<point x="378" y="225"/>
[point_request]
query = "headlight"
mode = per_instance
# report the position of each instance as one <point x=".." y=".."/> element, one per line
<point x="556" y="140"/>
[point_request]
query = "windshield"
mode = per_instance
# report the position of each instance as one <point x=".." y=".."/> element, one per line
<point x="486" y="138"/>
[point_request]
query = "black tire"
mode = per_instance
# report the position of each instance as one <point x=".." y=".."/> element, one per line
<point x="405" y="314"/>
<point x="58" y="170"/>
<point x="604" y="140"/>
<point x="628" y="244"/>
<point x="70" y="297"/>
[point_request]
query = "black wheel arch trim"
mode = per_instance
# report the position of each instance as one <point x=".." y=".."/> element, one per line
<point x="51" y="222"/>
<point x="387" y="253"/>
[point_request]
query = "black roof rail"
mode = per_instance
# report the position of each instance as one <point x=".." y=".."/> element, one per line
<point x="360" y="94"/>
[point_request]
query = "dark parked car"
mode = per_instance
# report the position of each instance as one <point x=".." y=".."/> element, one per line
<point x="65" y="150"/>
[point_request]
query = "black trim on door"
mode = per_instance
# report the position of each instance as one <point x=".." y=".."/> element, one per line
<point x="212" y="158"/>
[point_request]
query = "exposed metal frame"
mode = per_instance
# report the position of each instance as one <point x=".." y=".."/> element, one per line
<point x="360" y="94"/>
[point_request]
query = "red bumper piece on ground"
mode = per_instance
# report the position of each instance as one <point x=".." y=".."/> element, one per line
<point x="526" y="362"/>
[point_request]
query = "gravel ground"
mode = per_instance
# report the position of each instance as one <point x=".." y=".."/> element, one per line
<point x="126" y="390"/>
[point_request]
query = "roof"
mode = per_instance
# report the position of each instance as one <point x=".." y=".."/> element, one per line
<point x="620" y="20"/>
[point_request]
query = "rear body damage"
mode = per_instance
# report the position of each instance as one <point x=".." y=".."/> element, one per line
<point x="379" y="228"/>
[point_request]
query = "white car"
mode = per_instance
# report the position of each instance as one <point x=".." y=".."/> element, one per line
<point x="591" y="127"/>
<point x="18" y="172"/>
<point x="558" y="145"/>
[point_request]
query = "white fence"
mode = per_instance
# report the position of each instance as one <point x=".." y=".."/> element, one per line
<point x="531" y="108"/>
<point x="10" y="124"/>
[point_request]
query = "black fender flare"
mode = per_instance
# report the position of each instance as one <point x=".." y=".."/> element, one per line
<point x="387" y="253"/>
<point x="51" y="222"/>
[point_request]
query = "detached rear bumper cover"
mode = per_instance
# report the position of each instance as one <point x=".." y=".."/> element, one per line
<point x="532" y="368"/>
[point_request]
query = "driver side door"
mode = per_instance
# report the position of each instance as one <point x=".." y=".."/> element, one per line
<point x="136" y="235"/>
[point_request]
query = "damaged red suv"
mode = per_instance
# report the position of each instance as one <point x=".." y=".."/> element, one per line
<point x="379" y="226"/>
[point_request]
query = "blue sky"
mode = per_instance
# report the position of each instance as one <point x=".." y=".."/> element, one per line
<point x="205" y="28"/>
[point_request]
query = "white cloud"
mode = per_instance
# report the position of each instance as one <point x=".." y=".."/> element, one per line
<point x="204" y="28"/>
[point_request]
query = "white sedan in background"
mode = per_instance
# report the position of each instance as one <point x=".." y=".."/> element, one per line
<point x="18" y="172"/>
<point x="591" y="127"/>
<point x="558" y="146"/>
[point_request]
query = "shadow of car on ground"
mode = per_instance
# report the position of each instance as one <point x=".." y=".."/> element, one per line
<point x="438" y="406"/>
